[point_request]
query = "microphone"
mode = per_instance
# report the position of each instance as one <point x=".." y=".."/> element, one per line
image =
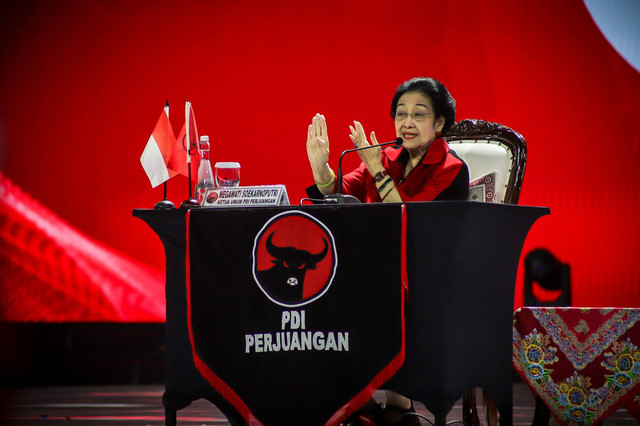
<point x="338" y="197"/>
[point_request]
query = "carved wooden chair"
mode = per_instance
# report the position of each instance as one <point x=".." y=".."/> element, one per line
<point x="496" y="156"/>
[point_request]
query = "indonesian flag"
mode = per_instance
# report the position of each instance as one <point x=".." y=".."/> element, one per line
<point x="157" y="152"/>
<point x="185" y="149"/>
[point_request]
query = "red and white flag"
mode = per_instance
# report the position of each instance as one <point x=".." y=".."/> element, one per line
<point x="157" y="152"/>
<point x="185" y="149"/>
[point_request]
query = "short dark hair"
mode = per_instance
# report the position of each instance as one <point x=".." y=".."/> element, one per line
<point x="442" y="101"/>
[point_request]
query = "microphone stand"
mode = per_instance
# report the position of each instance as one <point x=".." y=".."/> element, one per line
<point x="340" y="198"/>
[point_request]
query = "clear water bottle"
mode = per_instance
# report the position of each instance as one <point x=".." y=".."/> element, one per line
<point x="205" y="173"/>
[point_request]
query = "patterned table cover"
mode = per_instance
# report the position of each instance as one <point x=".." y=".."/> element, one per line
<point x="584" y="363"/>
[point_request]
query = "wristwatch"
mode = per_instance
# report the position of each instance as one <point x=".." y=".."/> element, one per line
<point x="380" y="175"/>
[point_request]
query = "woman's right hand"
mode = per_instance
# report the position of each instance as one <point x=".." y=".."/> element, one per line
<point x="318" y="149"/>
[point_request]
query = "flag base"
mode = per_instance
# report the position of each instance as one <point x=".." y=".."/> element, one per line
<point x="164" y="205"/>
<point x="189" y="203"/>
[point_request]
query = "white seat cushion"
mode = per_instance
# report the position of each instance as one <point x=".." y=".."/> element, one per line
<point x="484" y="157"/>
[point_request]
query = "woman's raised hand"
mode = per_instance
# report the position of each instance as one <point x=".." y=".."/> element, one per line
<point x="318" y="149"/>
<point x="371" y="157"/>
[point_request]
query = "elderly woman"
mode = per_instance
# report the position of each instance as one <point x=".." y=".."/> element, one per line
<point x="422" y="169"/>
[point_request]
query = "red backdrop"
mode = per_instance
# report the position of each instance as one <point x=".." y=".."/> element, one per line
<point x="82" y="84"/>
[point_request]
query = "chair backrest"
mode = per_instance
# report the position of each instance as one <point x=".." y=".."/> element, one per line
<point x="496" y="156"/>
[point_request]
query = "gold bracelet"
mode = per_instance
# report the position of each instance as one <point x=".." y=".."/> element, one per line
<point x="324" y="185"/>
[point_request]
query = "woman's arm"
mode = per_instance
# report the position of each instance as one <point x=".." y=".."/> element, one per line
<point x="318" y="154"/>
<point x="372" y="158"/>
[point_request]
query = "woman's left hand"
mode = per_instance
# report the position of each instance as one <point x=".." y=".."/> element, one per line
<point x="372" y="158"/>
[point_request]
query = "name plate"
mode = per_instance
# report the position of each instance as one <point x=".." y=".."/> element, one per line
<point x="245" y="196"/>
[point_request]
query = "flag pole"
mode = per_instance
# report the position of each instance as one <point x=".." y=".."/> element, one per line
<point x="189" y="202"/>
<point x="165" y="204"/>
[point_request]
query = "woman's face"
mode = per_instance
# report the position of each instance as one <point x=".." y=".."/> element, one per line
<point x="416" y="123"/>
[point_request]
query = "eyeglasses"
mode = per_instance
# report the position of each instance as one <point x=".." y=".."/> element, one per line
<point x="418" y="117"/>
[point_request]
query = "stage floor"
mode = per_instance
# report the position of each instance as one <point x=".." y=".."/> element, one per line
<point x="142" y="405"/>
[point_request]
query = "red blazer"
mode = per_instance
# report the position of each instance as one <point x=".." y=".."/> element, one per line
<point x="440" y="175"/>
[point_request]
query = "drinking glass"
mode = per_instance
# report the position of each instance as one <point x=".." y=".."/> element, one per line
<point x="227" y="174"/>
